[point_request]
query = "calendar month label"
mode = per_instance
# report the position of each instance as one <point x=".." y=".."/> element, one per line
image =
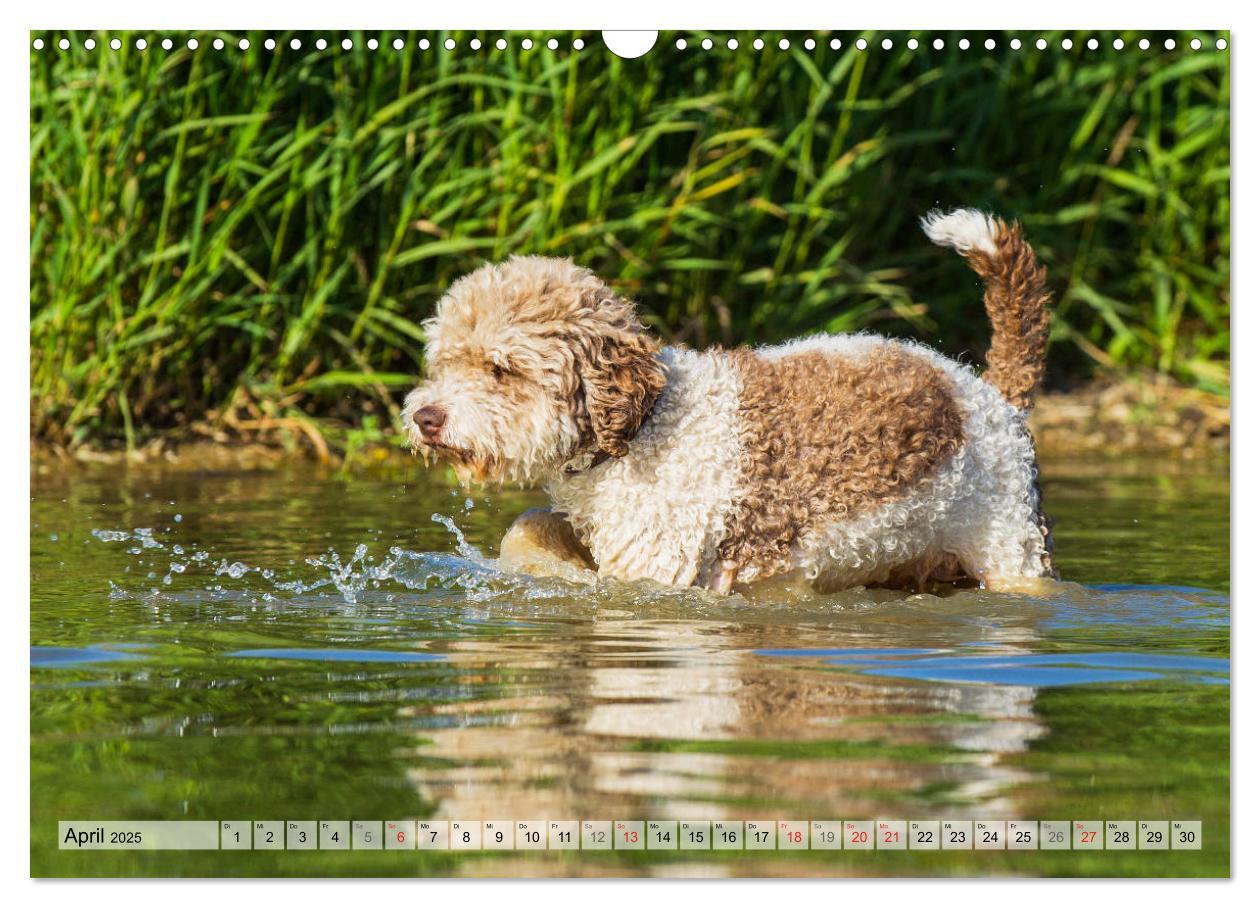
<point x="146" y="835"/>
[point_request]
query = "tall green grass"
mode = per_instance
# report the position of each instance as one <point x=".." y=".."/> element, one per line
<point x="250" y="238"/>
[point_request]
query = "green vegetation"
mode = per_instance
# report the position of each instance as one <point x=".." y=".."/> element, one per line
<point x="245" y="241"/>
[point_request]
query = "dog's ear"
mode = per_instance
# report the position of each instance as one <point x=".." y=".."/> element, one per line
<point x="621" y="377"/>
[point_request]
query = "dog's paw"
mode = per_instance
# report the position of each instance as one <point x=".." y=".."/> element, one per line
<point x="1030" y="586"/>
<point x="543" y="544"/>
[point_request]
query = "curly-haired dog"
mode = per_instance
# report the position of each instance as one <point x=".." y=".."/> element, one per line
<point x="846" y="460"/>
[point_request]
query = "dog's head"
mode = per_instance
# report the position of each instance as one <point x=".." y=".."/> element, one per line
<point x="530" y="364"/>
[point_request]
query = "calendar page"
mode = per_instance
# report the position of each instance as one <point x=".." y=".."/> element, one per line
<point x="769" y="452"/>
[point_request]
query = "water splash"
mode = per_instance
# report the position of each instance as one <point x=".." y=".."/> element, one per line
<point x="462" y="545"/>
<point x="466" y="569"/>
<point x="236" y="570"/>
<point x="141" y="535"/>
<point x="478" y="584"/>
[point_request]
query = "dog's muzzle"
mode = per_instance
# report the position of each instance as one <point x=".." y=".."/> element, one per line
<point x="429" y="420"/>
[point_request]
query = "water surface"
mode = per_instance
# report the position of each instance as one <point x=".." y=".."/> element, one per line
<point x="294" y="645"/>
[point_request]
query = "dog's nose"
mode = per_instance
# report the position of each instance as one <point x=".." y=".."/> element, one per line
<point x="430" y="419"/>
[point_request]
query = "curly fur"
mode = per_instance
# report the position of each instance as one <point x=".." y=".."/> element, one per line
<point x="847" y="460"/>
<point x="825" y="438"/>
<point x="1015" y="296"/>
<point x="659" y="513"/>
<point x="977" y="515"/>
<point x="534" y="362"/>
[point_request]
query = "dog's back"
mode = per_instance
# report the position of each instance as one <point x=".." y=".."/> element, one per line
<point x="829" y="428"/>
<point x="865" y="460"/>
<point x="849" y="459"/>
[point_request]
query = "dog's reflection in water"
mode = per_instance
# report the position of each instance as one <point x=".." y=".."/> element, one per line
<point x="632" y="718"/>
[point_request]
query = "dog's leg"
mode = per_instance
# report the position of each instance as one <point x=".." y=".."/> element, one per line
<point x="723" y="578"/>
<point x="542" y="543"/>
<point x="1030" y="586"/>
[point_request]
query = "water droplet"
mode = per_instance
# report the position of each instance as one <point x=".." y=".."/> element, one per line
<point x="236" y="570"/>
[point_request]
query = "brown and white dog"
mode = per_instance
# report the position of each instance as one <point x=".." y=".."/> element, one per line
<point x="843" y="460"/>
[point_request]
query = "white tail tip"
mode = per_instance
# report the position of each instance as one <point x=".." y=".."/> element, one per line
<point x="964" y="229"/>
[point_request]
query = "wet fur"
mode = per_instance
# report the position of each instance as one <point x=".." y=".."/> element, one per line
<point x="536" y="361"/>
<point x="846" y="460"/>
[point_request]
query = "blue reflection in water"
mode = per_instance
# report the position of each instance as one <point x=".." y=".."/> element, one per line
<point x="1028" y="670"/>
<point x="72" y="656"/>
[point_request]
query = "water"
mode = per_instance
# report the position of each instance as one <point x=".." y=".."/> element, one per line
<point x="291" y="645"/>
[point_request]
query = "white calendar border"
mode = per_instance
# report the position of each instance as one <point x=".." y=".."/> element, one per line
<point x="645" y="14"/>
<point x="501" y="14"/>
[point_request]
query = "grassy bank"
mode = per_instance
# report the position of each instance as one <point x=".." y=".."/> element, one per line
<point x="234" y="241"/>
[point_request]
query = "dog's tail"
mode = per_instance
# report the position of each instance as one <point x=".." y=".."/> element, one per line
<point x="1015" y="296"/>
